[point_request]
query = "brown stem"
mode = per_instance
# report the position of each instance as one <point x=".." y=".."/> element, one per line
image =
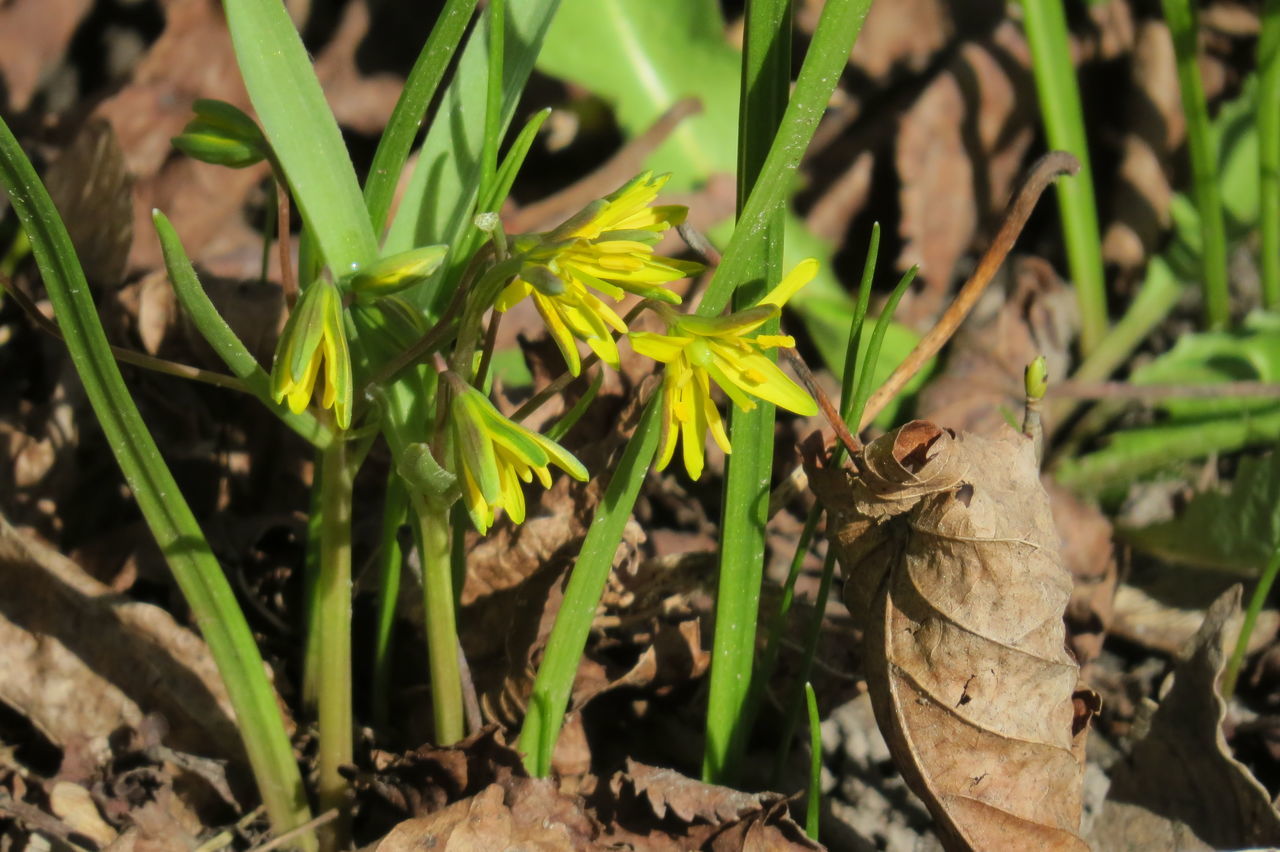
<point x="287" y="281"/>
<point x="1044" y="172"/>
<point x="829" y="410"/>
<point x="1144" y="393"/>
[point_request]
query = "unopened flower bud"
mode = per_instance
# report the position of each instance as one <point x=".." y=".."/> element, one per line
<point x="223" y="135"/>
<point x="398" y="272"/>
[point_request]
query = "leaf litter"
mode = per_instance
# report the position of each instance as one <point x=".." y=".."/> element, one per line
<point x="649" y="642"/>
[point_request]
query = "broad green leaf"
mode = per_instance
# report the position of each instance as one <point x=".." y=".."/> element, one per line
<point x="1235" y="531"/>
<point x="302" y="131"/>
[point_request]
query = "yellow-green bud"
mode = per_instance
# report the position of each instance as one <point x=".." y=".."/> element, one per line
<point x="397" y="272"/>
<point x="1036" y="378"/>
<point x="223" y="135"/>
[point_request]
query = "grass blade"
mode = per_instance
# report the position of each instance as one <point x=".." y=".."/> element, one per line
<point x="179" y="537"/>
<point x="1269" y="151"/>
<point x="766" y="78"/>
<point x="815" y="763"/>
<point x="419" y="88"/>
<point x="1046" y="27"/>
<point x="1204" y="163"/>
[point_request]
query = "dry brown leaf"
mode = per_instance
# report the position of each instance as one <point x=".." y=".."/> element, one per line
<point x="958" y="150"/>
<point x="80" y="662"/>
<point x="951" y="560"/>
<point x="483" y="823"/>
<point x="92" y="190"/>
<point x="1180" y="788"/>
<point x="1089" y="553"/>
<point x="34" y="35"/>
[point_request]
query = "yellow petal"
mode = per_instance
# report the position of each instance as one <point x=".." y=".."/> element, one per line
<point x="664" y="348"/>
<point x="711" y="413"/>
<point x="670" y="429"/>
<point x="801" y="274"/>
<point x="760" y="377"/>
<point x="559" y="332"/>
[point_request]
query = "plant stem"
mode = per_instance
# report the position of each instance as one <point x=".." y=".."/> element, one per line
<point x="442" y="631"/>
<point x="389" y="565"/>
<point x="1269" y="151"/>
<point x="1204" y="163"/>
<point x="1046" y="27"/>
<point x="766" y="77"/>
<point x="1256" y="602"/>
<point x="334" y="604"/>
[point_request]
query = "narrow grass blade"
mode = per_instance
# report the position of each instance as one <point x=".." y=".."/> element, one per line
<point x="1269" y="151"/>
<point x="814" y="800"/>
<point x="1256" y="602"/>
<point x="390" y="561"/>
<point x="214" y="329"/>
<point x="554" y="682"/>
<point x="1046" y="27"/>
<point x="179" y="537"/>
<point x="493" y="124"/>
<point x="1204" y="163"/>
<point x="828" y="53"/>
<point x="419" y="88"/>
<point x="302" y="131"/>
<point x="766" y="78"/>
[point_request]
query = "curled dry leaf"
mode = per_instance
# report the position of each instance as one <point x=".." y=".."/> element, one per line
<point x="1180" y="788"/>
<point x="951" y="561"/>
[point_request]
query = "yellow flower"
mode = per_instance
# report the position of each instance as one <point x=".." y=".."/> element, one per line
<point x="606" y="248"/>
<point x="699" y="350"/>
<point x="491" y="455"/>
<point x="313" y="334"/>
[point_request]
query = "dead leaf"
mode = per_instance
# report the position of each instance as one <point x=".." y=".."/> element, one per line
<point x="74" y="805"/>
<point x="1180" y="788"/>
<point x="1089" y="554"/>
<point x="34" y="35"/>
<point x="91" y="188"/>
<point x="958" y="150"/>
<point x="951" y="561"/>
<point x="81" y="662"/>
<point x="482" y="823"/>
<point x="1164" y="612"/>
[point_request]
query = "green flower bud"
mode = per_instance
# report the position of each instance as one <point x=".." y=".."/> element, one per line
<point x="223" y="135"/>
<point x="397" y="272"/>
<point x="315" y="337"/>
<point x="1036" y="378"/>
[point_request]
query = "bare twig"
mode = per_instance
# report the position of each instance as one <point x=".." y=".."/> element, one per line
<point x="294" y="833"/>
<point x="127" y="356"/>
<point x="1145" y="393"/>
<point x="1045" y="171"/>
<point x="829" y="411"/>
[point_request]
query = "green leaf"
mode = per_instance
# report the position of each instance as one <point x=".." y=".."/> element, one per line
<point x="1235" y="531"/>
<point x="167" y="514"/>
<point x="438" y="201"/>
<point x="302" y="131"/>
<point x="1192" y="428"/>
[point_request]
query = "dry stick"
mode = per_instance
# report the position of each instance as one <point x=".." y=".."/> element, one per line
<point x="619" y="168"/>
<point x="829" y="411"/>
<point x="127" y="356"/>
<point x="1045" y="171"/>
<point x="294" y="833"/>
<point x="287" y="282"/>
<point x="1143" y="393"/>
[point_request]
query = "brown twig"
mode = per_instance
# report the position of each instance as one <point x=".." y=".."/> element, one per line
<point x="287" y="282"/>
<point x="127" y="356"/>
<point x="829" y="411"/>
<point x="1045" y="171"/>
<point x="1151" y="393"/>
<point x="295" y="833"/>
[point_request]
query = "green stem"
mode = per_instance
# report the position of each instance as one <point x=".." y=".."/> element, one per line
<point x="1204" y="163"/>
<point x="442" y="630"/>
<point x="1269" y="151"/>
<point x="766" y="77"/>
<point x="1046" y="27"/>
<point x="336" y="726"/>
<point x="1256" y="603"/>
<point x="389" y="565"/>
